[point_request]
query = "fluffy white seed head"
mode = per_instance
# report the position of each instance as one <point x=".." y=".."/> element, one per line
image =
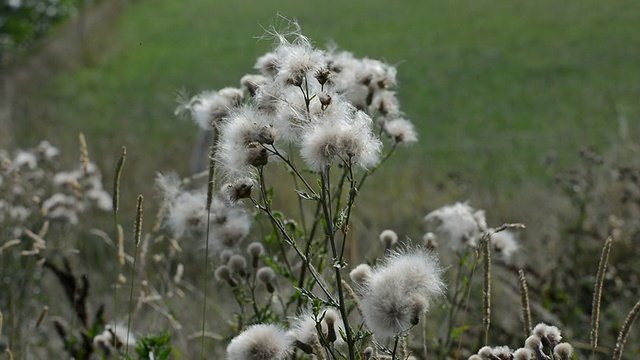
<point x="540" y="330"/>
<point x="400" y="291"/>
<point x="388" y="238"/>
<point x="400" y="130"/>
<point x="237" y="263"/>
<point x="533" y="342"/>
<point x="253" y="82"/>
<point x="225" y="256"/>
<point x="563" y="351"/>
<point x="346" y="138"/>
<point x="485" y="352"/>
<point x="260" y="342"/>
<point x="241" y="143"/>
<point x="502" y="352"/>
<point x="210" y="107"/>
<point x="523" y="354"/>
<point x="255" y="250"/>
<point x="304" y="329"/>
<point x="361" y="274"/>
<point x="553" y="334"/>
<point x="266" y="275"/>
<point x="504" y="244"/>
<point x="459" y="225"/>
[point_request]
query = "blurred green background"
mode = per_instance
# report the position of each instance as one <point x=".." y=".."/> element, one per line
<point x="497" y="88"/>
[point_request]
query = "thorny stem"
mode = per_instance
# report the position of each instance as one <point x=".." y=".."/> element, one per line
<point x="326" y="206"/>
<point x="395" y="347"/>
<point x="292" y="243"/>
<point x="307" y="250"/>
<point x="353" y="191"/>
<point x="210" y="188"/>
<point x="267" y="205"/>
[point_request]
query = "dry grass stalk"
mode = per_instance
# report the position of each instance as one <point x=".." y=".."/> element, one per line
<point x="9" y="244"/>
<point x="84" y="153"/>
<point x="524" y="299"/>
<point x="44" y="229"/>
<point x="486" y="290"/>
<point x="0" y="323"/>
<point x="137" y="230"/>
<point x="624" y="332"/>
<point x="597" y="293"/>
<point x="43" y="315"/>
<point x="9" y="354"/>
<point x="120" y="245"/>
<point x="116" y="180"/>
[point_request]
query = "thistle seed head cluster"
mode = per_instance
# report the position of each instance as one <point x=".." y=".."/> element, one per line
<point x="400" y="290"/>
<point x="320" y="101"/>
<point x="457" y="225"/>
<point x="544" y="343"/>
<point x="187" y="214"/>
<point x="30" y="184"/>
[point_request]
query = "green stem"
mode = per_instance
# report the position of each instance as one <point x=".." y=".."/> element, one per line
<point x="337" y="262"/>
<point x="133" y="279"/>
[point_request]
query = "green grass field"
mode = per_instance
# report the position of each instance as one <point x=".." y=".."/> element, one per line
<point x="496" y="87"/>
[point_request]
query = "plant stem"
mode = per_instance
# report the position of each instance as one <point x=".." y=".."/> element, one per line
<point x="337" y="262"/>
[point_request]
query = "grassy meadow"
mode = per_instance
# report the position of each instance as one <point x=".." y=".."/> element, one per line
<point x="503" y="94"/>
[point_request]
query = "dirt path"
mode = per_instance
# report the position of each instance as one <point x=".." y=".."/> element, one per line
<point x="68" y="48"/>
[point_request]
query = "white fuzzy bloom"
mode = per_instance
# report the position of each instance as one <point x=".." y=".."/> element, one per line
<point x="48" y="151"/>
<point x="400" y="130"/>
<point x="210" y="107"/>
<point x="242" y="135"/>
<point x="304" y="331"/>
<point x="62" y="207"/>
<point x="252" y="83"/>
<point x="361" y="274"/>
<point x="229" y="225"/>
<point x="501" y="352"/>
<point x="504" y="244"/>
<point x="459" y="225"/>
<point x="268" y="64"/>
<point x="384" y="102"/>
<point x="523" y="354"/>
<point x="23" y="159"/>
<point x="563" y="351"/>
<point x="298" y="61"/>
<point x="400" y="291"/>
<point x="187" y="214"/>
<point x="350" y="138"/>
<point x="100" y="198"/>
<point x="260" y="342"/>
